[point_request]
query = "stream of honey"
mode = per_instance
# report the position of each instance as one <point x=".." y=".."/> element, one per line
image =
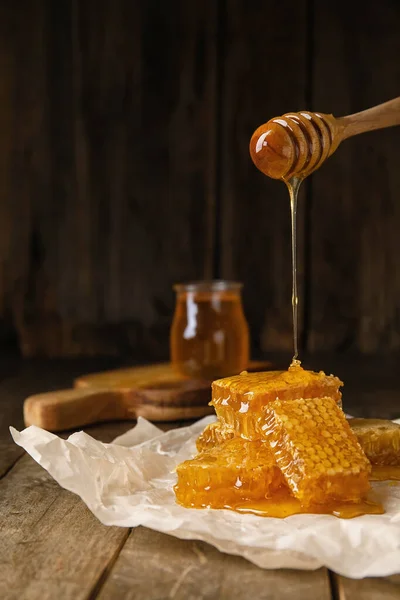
<point x="293" y="186"/>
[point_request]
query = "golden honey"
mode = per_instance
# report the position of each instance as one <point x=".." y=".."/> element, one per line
<point x="240" y="401"/>
<point x="231" y="472"/>
<point x="213" y="435"/>
<point x="282" y="445"/>
<point x="302" y="456"/>
<point x="248" y="486"/>
<point x="317" y="451"/>
<point x="283" y="504"/>
<point x="209" y="334"/>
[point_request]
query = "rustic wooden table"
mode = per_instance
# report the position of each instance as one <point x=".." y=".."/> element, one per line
<point x="51" y="546"/>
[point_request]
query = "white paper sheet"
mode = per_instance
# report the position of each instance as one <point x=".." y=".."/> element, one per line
<point x="130" y="481"/>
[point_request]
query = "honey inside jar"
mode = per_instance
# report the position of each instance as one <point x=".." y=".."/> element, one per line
<point x="209" y="333"/>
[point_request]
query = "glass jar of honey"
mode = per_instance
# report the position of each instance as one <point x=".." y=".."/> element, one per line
<point x="209" y="333"/>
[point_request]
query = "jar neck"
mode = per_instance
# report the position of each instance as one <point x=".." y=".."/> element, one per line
<point x="210" y="296"/>
<point x="212" y="286"/>
<point x="206" y="291"/>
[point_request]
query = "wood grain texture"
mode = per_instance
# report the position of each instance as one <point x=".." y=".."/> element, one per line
<point x="263" y="75"/>
<point x="19" y="379"/>
<point x="371" y="588"/>
<point x="371" y="383"/>
<point x="109" y="145"/>
<point x="355" y="218"/>
<point x="119" y="133"/>
<point x="51" y="545"/>
<point x="10" y="414"/>
<point x="153" y="565"/>
<point x="22" y="378"/>
<point x="24" y="173"/>
<point x="155" y="392"/>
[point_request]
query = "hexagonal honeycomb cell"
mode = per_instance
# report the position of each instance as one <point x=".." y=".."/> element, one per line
<point x="316" y="450"/>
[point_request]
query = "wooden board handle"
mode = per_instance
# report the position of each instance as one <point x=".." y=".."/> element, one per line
<point x="68" y="409"/>
<point x="154" y="392"/>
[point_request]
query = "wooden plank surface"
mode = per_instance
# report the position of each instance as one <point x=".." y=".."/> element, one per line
<point x="51" y="545"/>
<point x="355" y="218"/>
<point x="371" y="588"/>
<point x="371" y="383"/>
<point x="113" y="150"/>
<point x="264" y="75"/>
<point x="153" y="565"/>
<point x="109" y="144"/>
<point x="20" y="379"/>
<point x="24" y="176"/>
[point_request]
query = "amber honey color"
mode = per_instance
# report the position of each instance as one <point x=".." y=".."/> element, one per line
<point x="240" y="401"/>
<point x="209" y="334"/>
<point x="282" y="445"/>
<point x="280" y="505"/>
<point x="283" y="505"/>
<point x="231" y="472"/>
<point x="301" y="456"/>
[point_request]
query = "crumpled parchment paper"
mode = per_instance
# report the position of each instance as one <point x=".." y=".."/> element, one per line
<point x="130" y="481"/>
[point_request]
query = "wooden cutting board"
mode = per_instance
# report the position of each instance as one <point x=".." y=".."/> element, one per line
<point x="154" y="392"/>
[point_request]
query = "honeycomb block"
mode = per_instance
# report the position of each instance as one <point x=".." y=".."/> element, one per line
<point x="379" y="439"/>
<point x="316" y="450"/>
<point x="234" y="471"/>
<point x="213" y="435"/>
<point x="240" y="401"/>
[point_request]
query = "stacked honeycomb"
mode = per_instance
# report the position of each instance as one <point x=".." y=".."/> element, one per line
<point x="280" y="433"/>
<point x="233" y="471"/>
<point x="240" y="401"/>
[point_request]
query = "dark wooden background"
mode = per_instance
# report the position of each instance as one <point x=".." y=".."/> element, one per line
<point x="124" y="167"/>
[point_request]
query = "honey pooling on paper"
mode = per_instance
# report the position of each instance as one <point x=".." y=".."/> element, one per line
<point x="316" y="451"/>
<point x="231" y="472"/>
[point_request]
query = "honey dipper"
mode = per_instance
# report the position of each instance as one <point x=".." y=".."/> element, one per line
<point x="297" y="144"/>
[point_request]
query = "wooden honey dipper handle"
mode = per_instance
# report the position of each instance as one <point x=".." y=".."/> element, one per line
<point x="378" y="117"/>
<point x="296" y="144"/>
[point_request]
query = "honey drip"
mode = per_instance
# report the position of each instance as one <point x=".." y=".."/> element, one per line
<point x="293" y="185"/>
